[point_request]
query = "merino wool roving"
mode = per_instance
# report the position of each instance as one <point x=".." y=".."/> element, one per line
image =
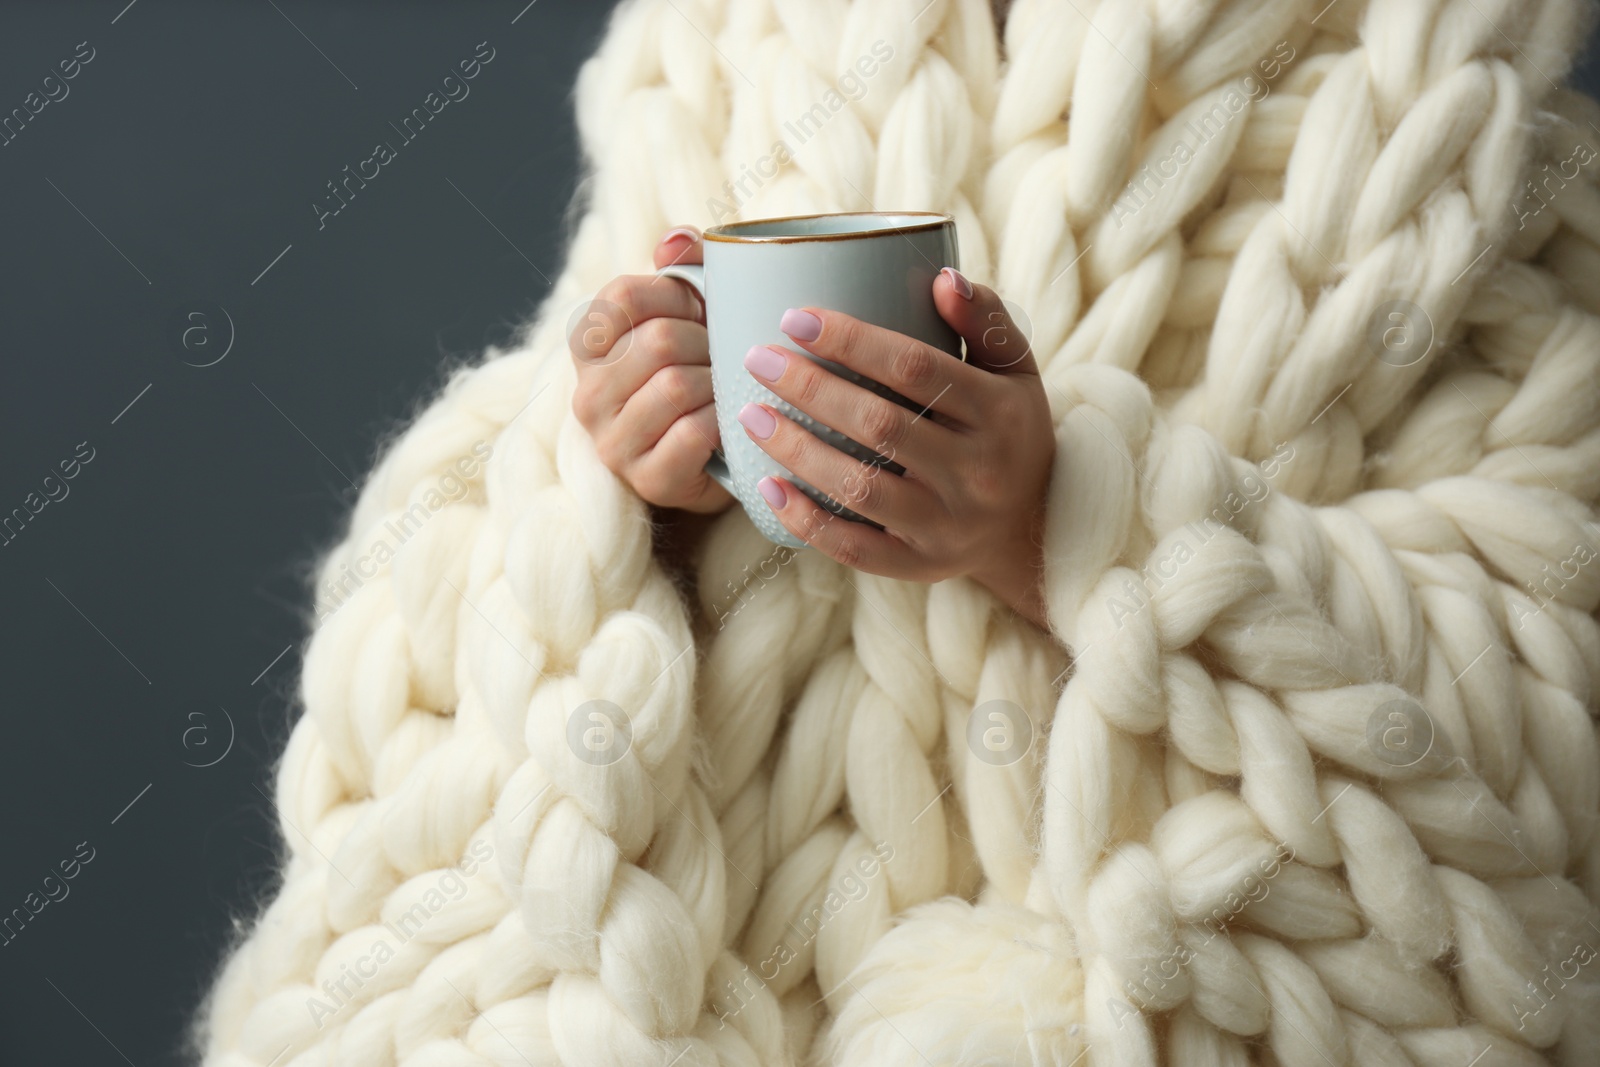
<point x="1305" y="773"/>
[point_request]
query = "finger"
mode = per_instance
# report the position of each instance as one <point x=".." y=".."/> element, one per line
<point x="854" y="544"/>
<point x="681" y="245"/>
<point x="675" y="468"/>
<point x="976" y="312"/>
<point x="637" y="357"/>
<point x="667" y="396"/>
<point x="930" y="378"/>
<point x="868" y="489"/>
<point x="623" y="305"/>
<point x="907" y="437"/>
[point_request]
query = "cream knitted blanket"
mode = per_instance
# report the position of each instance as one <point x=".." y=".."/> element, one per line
<point x="1305" y="774"/>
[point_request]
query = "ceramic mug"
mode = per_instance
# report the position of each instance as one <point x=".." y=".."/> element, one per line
<point x="878" y="267"/>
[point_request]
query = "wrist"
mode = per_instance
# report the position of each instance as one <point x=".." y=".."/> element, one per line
<point x="1016" y="576"/>
<point x="1021" y="589"/>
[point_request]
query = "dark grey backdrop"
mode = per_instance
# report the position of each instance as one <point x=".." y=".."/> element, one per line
<point x="167" y="583"/>
<point x="154" y="611"/>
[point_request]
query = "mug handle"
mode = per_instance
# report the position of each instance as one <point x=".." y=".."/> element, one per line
<point x="695" y="275"/>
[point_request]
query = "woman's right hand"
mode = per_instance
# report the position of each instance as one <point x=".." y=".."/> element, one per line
<point x="644" y="383"/>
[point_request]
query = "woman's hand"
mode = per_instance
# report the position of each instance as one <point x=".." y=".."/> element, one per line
<point x="644" y="383"/>
<point x="977" y="456"/>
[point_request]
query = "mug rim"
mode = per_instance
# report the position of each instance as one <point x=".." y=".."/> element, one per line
<point x="936" y="219"/>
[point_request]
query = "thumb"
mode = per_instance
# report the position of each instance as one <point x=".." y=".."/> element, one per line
<point x="995" y="341"/>
<point x="681" y="245"/>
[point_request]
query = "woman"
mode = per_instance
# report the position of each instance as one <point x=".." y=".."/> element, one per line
<point x="1247" y="718"/>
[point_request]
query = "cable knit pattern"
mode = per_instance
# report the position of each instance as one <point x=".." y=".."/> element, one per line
<point x="1313" y="287"/>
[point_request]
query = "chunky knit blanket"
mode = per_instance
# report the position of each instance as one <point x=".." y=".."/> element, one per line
<point x="1305" y="771"/>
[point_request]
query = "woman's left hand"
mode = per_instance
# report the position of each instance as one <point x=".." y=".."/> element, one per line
<point x="977" y="454"/>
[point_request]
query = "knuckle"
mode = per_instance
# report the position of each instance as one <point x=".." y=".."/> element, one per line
<point x="647" y="341"/>
<point x="846" y="549"/>
<point x="606" y="448"/>
<point x="883" y="423"/>
<point x="849" y="492"/>
<point x="674" y="384"/>
<point x="869" y="491"/>
<point x="702" y="429"/>
<point x="621" y="292"/>
<point x="808" y="382"/>
<point x="838" y="334"/>
<point x="912" y="365"/>
<point x="655" y="335"/>
<point x="623" y="306"/>
<point x="841" y="332"/>
<point x="681" y="436"/>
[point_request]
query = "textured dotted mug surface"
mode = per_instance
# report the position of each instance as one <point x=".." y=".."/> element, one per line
<point x="876" y="266"/>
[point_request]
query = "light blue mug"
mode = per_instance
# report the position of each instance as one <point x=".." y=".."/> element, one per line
<point x="878" y="267"/>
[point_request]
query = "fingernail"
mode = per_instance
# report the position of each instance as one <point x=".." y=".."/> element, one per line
<point x="765" y="363"/>
<point x="801" y="325"/>
<point x="681" y="231"/>
<point x="758" y="420"/>
<point x="772" y="492"/>
<point x="962" y="286"/>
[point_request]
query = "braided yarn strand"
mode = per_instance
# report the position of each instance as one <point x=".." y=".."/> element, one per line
<point x="1305" y="770"/>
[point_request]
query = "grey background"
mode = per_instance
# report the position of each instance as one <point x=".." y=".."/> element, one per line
<point x="170" y="583"/>
<point x="196" y="140"/>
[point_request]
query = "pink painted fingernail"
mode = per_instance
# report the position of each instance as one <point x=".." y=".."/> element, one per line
<point x="766" y="363"/>
<point x="801" y="325"/>
<point x="772" y="493"/>
<point x="758" y="420"/>
<point x="962" y="286"/>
